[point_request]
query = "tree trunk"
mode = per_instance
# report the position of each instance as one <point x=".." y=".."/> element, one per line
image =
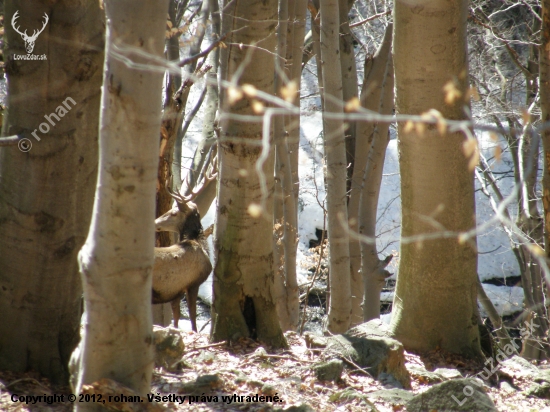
<point x="281" y="169"/>
<point x="435" y="302"/>
<point x="287" y="136"/>
<point x="349" y="91"/>
<point x="117" y="259"/>
<point x="46" y="194"/>
<point x="339" y="315"/>
<point x="162" y="314"/>
<point x="203" y="153"/>
<point x="373" y="139"/>
<point x="243" y="276"/>
<point x="544" y="80"/>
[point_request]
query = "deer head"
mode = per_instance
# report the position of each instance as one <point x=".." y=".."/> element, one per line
<point x="183" y="219"/>
<point x="29" y="40"/>
<point x="179" y="219"/>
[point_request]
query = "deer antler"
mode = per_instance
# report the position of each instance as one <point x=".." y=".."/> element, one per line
<point x="209" y="173"/>
<point x="180" y="200"/>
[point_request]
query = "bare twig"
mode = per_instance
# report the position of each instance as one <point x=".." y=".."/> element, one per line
<point x="376" y="16"/>
<point x="202" y="53"/>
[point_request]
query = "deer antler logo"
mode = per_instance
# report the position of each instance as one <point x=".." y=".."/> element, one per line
<point x="29" y="40"/>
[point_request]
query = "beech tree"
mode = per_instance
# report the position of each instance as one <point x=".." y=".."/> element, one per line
<point x="339" y="316"/>
<point x="288" y="70"/>
<point x="437" y="191"/>
<point x="118" y="253"/>
<point x="244" y="302"/>
<point x="370" y="152"/>
<point x="46" y="193"/>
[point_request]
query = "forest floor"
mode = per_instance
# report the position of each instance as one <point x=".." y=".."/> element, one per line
<point x="246" y="369"/>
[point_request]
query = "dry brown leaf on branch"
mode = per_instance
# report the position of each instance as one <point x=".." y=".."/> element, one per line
<point x="452" y="93"/>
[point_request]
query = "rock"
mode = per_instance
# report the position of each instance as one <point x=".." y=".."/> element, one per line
<point x="329" y="371"/>
<point x="389" y="381"/>
<point x="204" y="383"/>
<point x="543" y="376"/>
<point x="518" y="367"/>
<point x="394" y="396"/>
<point x="205" y="357"/>
<point x="454" y="395"/>
<point x="315" y="341"/>
<point x="539" y="390"/>
<point x="269" y="390"/>
<point x="540" y="387"/>
<point x="506" y="387"/>
<point x="304" y="407"/>
<point x="369" y="346"/>
<point x="349" y="395"/>
<point x="448" y="373"/>
<point x="424" y="376"/>
<point x="438" y="375"/>
<point x="169" y="347"/>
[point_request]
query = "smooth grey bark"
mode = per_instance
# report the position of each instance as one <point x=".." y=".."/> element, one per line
<point x="435" y="302"/>
<point x="372" y="141"/>
<point x="339" y="315"/>
<point x="203" y="153"/>
<point x="116" y="260"/>
<point x="349" y="92"/>
<point x="46" y="194"/>
<point x="243" y="274"/>
<point x="287" y="135"/>
<point x="281" y="168"/>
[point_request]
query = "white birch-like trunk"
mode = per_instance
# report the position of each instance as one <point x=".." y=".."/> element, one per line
<point x="339" y="315"/>
<point x="117" y="259"/>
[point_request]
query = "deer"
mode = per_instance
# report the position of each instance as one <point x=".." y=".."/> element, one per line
<point x="180" y="269"/>
<point x="29" y="40"/>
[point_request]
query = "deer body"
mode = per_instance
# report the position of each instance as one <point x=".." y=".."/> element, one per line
<point x="181" y="268"/>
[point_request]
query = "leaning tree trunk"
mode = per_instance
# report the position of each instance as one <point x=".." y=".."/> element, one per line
<point x="339" y="315"/>
<point x="435" y="302"/>
<point x="373" y="139"/>
<point x="243" y="274"/>
<point x="117" y="259"/>
<point x="46" y="194"/>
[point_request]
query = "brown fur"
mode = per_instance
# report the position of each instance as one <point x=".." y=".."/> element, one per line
<point x="181" y="268"/>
